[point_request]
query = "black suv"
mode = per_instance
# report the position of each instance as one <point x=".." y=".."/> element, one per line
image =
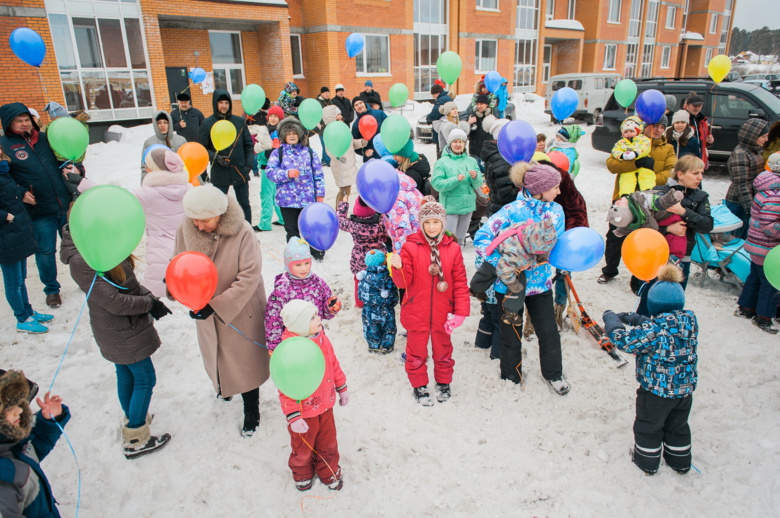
<point x="727" y="106"/>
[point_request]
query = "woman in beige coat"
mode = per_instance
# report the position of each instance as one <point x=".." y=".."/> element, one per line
<point x="214" y="225"/>
<point x="344" y="168"/>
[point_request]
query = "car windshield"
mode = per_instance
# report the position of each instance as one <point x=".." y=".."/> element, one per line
<point x="766" y="97"/>
<point x="753" y="77"/>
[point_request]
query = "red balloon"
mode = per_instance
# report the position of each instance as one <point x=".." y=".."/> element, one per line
<point x="191" y="277"/>
<point x="559" y="160"/>
<point x="367" y="126"/>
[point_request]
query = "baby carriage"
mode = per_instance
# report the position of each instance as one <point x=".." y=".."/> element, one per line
<point x="720" y="252"/>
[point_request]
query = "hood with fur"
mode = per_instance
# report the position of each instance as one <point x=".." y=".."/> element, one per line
<point x="291" y="124"/>
<point x="14" y="390"/>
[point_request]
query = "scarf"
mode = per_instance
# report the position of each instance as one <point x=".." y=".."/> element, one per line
<point x="435" y="267"/>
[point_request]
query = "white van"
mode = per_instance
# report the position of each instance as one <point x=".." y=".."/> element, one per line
<point x="594" y="90"/>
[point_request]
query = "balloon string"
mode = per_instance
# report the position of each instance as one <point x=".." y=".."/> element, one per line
<point x="66" y="163"/>
<point x="245" y="336"/>
<point x="43" y="85"/>
<point x="78" y="468"/>
<point x="714" y="104"/>
<point x="300" y="402"/>
<point x="111" y="283"/>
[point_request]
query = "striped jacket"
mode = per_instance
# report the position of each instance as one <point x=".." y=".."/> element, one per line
<point x="764" y="228"/>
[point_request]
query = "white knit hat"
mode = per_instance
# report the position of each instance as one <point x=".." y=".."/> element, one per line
<point x="339" y="87"/>
<point x="456" y="134"/>
<point x="773" y="162"/>
<point x="493" y="125"/>
<point x="296" y="316"/>
<point x="681" y="116"/>
<point x="205" y="202"/>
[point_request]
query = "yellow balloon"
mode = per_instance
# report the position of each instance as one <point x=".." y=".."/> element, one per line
<point x="223" y="134"/>
<point x="719" y="67"/>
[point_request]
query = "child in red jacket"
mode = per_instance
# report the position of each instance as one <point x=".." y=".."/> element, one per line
<point x="430" y="269"/>
<point x="312" y="427"/>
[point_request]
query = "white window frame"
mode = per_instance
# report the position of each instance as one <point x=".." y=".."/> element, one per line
<point x="671" y="17"/>
<point x="481" y="7"/>
<point x="300" y="56"/>
<point x="666" y="56"/>
<point x="364" y="53"/>
<point x="571" y="11"/>
<point x="708" y="56"/>
<point x="714" y="24"/>
<point x="549" y="10"/>
<point x="477" y="56"/>
<point x="619" y="5"/>
<point x="607" y="48"/>
<point x="236" y="96"/>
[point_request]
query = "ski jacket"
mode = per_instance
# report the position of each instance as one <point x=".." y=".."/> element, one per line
<point x="502" y="189"/>
<point x="16" y="237"/>
<point x="663" y="157"/>
<point x="286" y="101"/>
<point x="286" y="288"/>
<point x="457" y="196"/>
<point x="424" y="307"/>
<point x="367" y="234"/>
<point x="345" y="105"/>
<point x="402" y="219"/>
<point x="639" y="145"/>
<point x="568" y="149"/>
<point x="324" y="398"/>
<point x="697" y="217"/>
<point x="307" y="186"/>
<point x="745" y="163"/>
<point x="192" y="118"/>
<point x="240" y="153"/>
<point x="685" y="143"/>
<point x="420" y="172"/>
<point x="764" y="229"/>
<point x="376" y="287"/>
<point x="665" y="349"/>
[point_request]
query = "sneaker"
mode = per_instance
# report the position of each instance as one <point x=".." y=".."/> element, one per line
<point x="337" y="485"/>
<point x="604" y="278"/>
<point x="53" y="300"/>
<point x="743" y="312"/>
<point x="31" y="326"/>
<point x="560" y="310"/>
<point x="443" y="392"/>
<point x="42" y="317"/>
<point x="303" y="485"/>
<point x="763" y="323"/>
<point x="251" y="422"/>
<point x="560" y="386"/>
<point x="422" y="396"/>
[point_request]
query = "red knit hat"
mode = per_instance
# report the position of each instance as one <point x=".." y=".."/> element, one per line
<point x="276" y="110"/>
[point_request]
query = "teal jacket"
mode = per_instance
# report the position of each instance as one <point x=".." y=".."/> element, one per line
<point x="458" y="197"/>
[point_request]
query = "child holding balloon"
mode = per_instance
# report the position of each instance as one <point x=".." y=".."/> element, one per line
<point x="634" y="145"/>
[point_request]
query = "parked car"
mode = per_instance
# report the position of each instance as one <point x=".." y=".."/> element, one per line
<point x="727" y="107"/>
<point x="593" y="90"/>
<point x="424" y="132"/>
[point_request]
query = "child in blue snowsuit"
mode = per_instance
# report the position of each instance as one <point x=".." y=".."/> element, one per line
<point x="665" y="348"/>
<point x="379" y="297"/>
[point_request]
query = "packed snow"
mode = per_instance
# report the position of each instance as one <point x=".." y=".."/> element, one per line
<point x="492" y="450"/>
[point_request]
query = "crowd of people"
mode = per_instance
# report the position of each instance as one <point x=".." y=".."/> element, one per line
<point x="411" y="256"/>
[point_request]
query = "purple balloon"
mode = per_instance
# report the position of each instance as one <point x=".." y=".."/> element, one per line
<point x="650" y="106"/>
<point x="517" y="142"/>
<point x="319" y="225"/>
<point x="577" y="250"/>
<point x="378" y="184"/>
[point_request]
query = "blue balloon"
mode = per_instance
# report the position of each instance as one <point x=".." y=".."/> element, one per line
<point x="355" y="43"/>
<point x="651" y="106"/>
<point x="378" y="184"/>
<point x="319" y="225"/>
<point x="28" y="46"/>
<point x="492" y="81"/>
<point x="577" y="250"/>
<point x="198" y="75"/>
<point x="563" y="103"/>
<point x="390" y="160"/>
<point x="379" y="146"/>
<point x="517" y="142"/>
<point x="152" y="148"/>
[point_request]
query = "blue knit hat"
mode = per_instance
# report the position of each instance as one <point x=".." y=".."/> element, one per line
<point x="375" y="258"/>
<point x="408" y="151"/>
<point x="667" y="294"/>
<point x="296" y="251"/>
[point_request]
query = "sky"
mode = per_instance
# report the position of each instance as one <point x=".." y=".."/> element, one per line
<point x="754" y="14"/>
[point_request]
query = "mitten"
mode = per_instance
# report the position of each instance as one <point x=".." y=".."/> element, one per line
<point x="632" y="319"/>
<point x="74" y="178"/>
<point x="299" y="426"/>
<point x="203" y="314"/>
<point x="452" y="322"/>
<point x="645" y="162"/>
<point x="334" y="304"/>
<point x="629" y="155"/>
<point x="384" y="294"/>
<point x="159" y="309"/>
<point x="344" y="398"/>
<point x="611" y="322"/>
<point x="515" y="286"/>
<point x="223" y="161"/>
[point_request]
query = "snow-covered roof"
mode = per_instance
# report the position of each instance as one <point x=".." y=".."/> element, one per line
<point x="572" y="25"/>
<point x="692" y="36"/>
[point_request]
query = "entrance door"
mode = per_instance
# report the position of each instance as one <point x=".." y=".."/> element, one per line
<point x="546" y="61"/>
<point x="177" y="81"/>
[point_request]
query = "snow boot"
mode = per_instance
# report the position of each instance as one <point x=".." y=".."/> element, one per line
<point x="422" y="396"/>
<point x="743" y="312"/>
<point x="337" y="485"/>
<point x="251" y="422"/>
<point x="443" y="392"/>
<point x="149" y="419"/>
<point x="560" y="386"/>
<point x="303" y="485"/>
<point x="764" y="324"/>
<point x="139" y="441"/>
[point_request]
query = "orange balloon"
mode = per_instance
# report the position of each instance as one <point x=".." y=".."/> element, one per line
<point x="195" y="158"/>
<point x="195" y="182"/>
<point x="644" y="251"/>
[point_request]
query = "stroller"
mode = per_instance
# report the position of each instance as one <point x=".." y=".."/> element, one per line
<point x="720" y="252"/>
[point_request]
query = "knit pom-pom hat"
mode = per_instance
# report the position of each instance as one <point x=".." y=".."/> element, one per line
<point x="667" y="294"/>
<point x="163" y="160"/>
<point x="431" y="209"/>
<point x="632" y="122"/>
<point x="361" y="210"/>
<point x="276" y="110"/>
<point x="681" y="116"/>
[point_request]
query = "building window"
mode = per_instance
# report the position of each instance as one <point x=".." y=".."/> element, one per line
<point x="632" y="50"/>
<point x="671" y="17"/>
<point x="666" y="54"/>
<point x="610" y="54"/>
<point x="707" y="57"/>
<point x="714" y="24"/>
<point x="572" y="11"/>
<point x="487" y="4"/>
<point x="550" y="11"/>
<point x="635" y="19"/>
<point x="227" y="62"/>
<point x="614" y="11"/>
<point x="297" y="61"/>
<point x="430" y="40"/>
<point x="648" y="51"/>
<point x="651" y="25"/>
<point x="528" y="14"/>
<point x="525" y="66"/>
<point x="375" y="58"/>
<point x="431" y="11"/>
<point x="485" y="55"/>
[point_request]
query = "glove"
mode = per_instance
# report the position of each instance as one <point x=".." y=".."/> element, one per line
<point x="632" y="319"/>
<point x="203" y="314"/>
<point x="159" y="309"/>
<point x="223" y="161"/>
<point x="334" y="304"/>
<point x="629" y="155"/>
<point x="452" y="322"/>
<point x="645" y="162"/>
<point x="299" y="426"/>
<point x="344" y="398"/>
<point x="611" y="322"/>
<point x="74" y="178"/>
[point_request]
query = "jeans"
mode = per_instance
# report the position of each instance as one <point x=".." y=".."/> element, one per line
<point x="325" y="158"/>
<point x="739" y="212"/>
<point x="559" y="287"/>
<point x="758" y="294"/>
<point x="15" y="289"/>
<point x="45" y="229"/>
<point x="134" y="384"/>
<point x="242" y="197"/>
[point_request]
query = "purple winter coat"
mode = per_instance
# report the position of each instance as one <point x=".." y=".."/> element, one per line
<point x="367" y="233"/>
<point x="303" y="190"/>
<point x="286" y="288"/>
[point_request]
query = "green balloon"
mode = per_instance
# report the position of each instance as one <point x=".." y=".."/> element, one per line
<point x="297" y="367"/>
<point x="252" y="98"/>
<point x="68" y="137"/>
<point x="625" y="92"/>
<point x="772" y="267"/>
<point x="106" y="223"/>
<point x="337" y="137"/>
<point x="395" y="132"/>
<point x="398" y="95"/>
<point x="310" y="113"/>
<point x="449" y="66"/>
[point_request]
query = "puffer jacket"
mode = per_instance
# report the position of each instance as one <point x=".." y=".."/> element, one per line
<point x="525" y="208"/>
<point x="309" y="184"/>
<point x="121" y="324"/>
<point x="697" y="217"/>
<point x="745" y="163"/>
<point x="568" y="149"/>
<point x="286" y="101"/>
<point x="344" y="167"/>
<point x="402" y="220"/>
<point x="477" y="134"/>
<point x="367" y="234"/>
<point x="345" y="105"/>
<point x="457" y="196"/>
<point x="420" y="172"/>
<point x="324" y="398"/>
<point x="502" y="190"/>
<point x="663" y="156"/>
<point x="665" y="349"/>
<point x="424" y="307"/>
<point x="286" y="288"/>
<point x="764" y="229"/>
<point x="380" y="117"/>
<point x="16" y="237"/>
<point x="376" y="287"/>
<point x="172" y="139"/>
<point x="241" y="153"/>
<point x="639" y="145"/>
<point x="685" y="143"/>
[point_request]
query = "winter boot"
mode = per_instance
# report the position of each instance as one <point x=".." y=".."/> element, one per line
<point x="560" y="386"/>
<point x="31" y="326"/>
<point x="443" y="392"/>
<point x="337" y="485"/>
<point x="763" y="323"/>
<point x="251" y="422"/>
<point x="743" y="312"/>
<point x="528" y="328"/>
<point x="303" y="485"/>
<point x="149" y="419"/>
<point x="422" y="396"/>
<point x="139" y="441"/>
<point x="560" y="310"/>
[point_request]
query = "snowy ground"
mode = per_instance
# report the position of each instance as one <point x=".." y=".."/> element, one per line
<point x="493" y="450"/>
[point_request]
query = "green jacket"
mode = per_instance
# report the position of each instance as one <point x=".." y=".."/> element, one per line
<point x="458" y="197"/>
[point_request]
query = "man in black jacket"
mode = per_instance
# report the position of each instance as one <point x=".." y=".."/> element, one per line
<point x="186" y="119"/>
<point x="324" y="100"/>
<point x="232" y="165"/>
<point x="371" y="97"/>
<point x="344" y="104"/>
<point x="442" y="97"/>
<point x="47" y="200"/>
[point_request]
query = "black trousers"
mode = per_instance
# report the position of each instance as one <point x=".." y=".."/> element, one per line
<point x="612" y="253"/>
<point x="542" y="314"/>
<point x="251" y="401"/>
<point x="290" y="215"/>
<point x="488" y="330"/>
<point x="661" y="427"/>
<point x="242" y="197"/>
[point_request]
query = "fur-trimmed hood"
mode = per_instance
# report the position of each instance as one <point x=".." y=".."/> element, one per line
<point x="517" y="173"/>
<point x="204" y="242"/>
<point x="162" y="178"/>
<point x="291" y="124"/>
<point x="14" y="390"/>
